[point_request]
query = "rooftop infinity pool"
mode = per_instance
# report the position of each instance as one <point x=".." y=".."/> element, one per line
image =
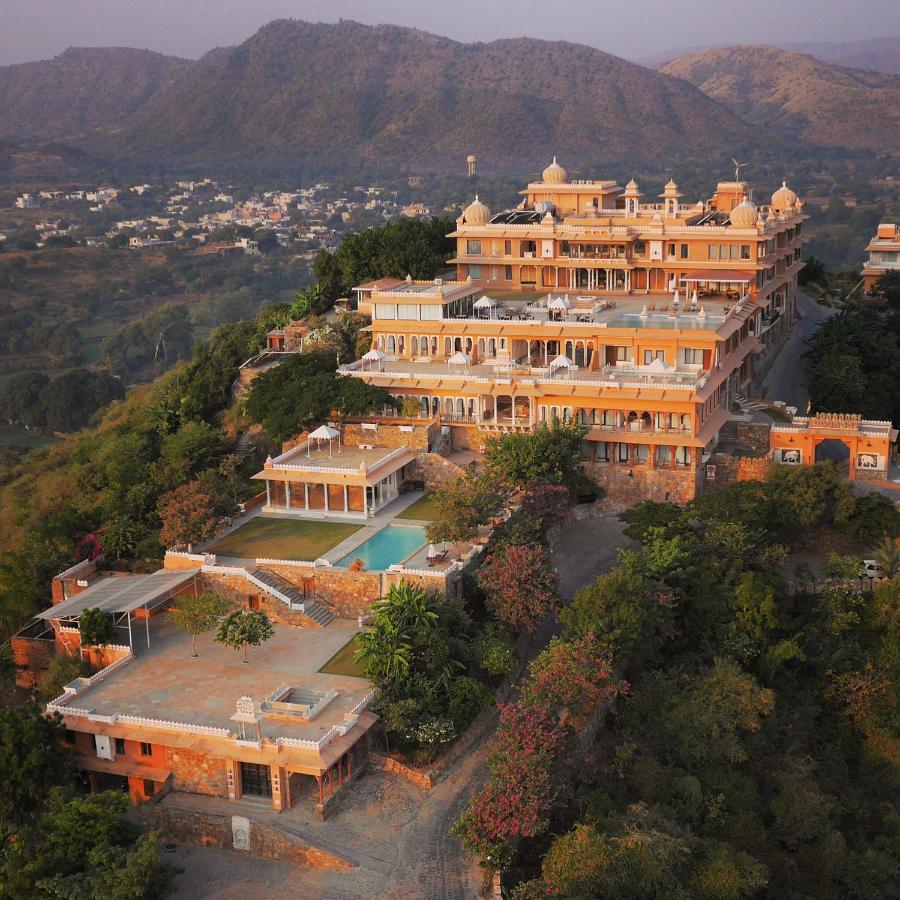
<point x="688" y="323"/>
<point x="391" y="545"/>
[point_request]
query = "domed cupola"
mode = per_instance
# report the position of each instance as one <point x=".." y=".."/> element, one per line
<point x="744" y="215"/>
<point x="555" y="174"/>
<point x="784" y="199"/>
<point x="476" y="213"/>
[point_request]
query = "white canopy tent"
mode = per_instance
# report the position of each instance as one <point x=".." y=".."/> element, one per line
<point x="561" y="303"/>
<point x="374" y="355"/>
<point x="324" y="433"/>
<point x="485" y="303"/>
<point x="459" y="359"/>
<point x="560" y="362"/>
<point x="658" y="365"/>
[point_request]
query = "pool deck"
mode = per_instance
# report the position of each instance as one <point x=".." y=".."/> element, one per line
<point x="384" y="517"/>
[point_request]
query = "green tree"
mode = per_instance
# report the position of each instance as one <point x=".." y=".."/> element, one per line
<point x="95" y="628"/>
<point x="62" y="669"/>
<point x="887" y="554"/>
<point x="32" y="759"/>
<point x="549" y="455"/>
<point x="462" y="507"/>
<point x="198" y="615"/>
<point x="245" y="628"/>
<point x="83" y="847"/>
<point x="187" y="516"/>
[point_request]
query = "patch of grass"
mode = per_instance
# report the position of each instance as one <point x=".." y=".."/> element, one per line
<point x="424" y="508"/>
<point x="343" y="663"/>
<point x="15" y="436"/>
<point x="283" y="539"/>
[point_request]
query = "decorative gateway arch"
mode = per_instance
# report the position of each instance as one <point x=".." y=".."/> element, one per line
<point x="868" y="443"/>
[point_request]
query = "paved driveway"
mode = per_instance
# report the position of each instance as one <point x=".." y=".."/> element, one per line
<point x="786" y="379"/>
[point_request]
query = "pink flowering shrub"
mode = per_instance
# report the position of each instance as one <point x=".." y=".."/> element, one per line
<point x="574" y="675"/>
<point x="520" y="585"/>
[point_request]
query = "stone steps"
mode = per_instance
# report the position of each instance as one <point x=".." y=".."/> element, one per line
<point x="291" y="596"/>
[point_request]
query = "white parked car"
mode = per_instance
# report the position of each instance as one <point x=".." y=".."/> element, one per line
<point x="871" y="569"/>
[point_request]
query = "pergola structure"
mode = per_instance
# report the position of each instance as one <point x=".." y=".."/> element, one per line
<point x="121" y="598"/>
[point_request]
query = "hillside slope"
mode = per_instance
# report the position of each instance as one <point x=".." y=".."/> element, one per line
<point x="824" y="104"/>
<point x="80" y="90"/>
<point x="313" y="97"/>
<point x="874" y="54"/>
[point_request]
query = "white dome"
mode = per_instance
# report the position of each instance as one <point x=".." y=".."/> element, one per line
<point x="555" y="174"/>
<point x="784" y="198"/>
<point x="476" y="213"/>
<point x="744" y="215"/>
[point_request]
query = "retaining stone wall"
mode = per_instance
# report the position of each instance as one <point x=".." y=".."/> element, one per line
<point x="348" y="594"/>
<point x="731" y="469"/>
<point x="388" y="764"/>
<point x="674" y="485"/>
<point x="754" y="435"/>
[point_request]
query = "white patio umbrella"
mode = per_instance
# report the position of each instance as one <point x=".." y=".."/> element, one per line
<point x="694" y="299"/>
<point x="677" y="298"/>
<point x="324" y="433"/>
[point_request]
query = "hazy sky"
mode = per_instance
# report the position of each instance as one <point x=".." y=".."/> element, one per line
<point x="38" y="29"/>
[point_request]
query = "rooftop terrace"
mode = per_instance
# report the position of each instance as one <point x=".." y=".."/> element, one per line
<point x="163" y="682"/>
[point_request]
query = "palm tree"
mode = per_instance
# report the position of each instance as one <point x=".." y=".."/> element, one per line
<point x="887" y="554"/>
<point x="409" y="607"/>
<point x="384" y="652"/>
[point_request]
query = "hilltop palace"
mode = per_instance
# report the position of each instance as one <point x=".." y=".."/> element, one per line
<point x="644" y="322"/>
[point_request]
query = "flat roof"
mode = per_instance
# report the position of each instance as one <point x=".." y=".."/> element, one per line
<point x="121" y="593"/>
<point x="165" y="682"/>
<point x="344" y="460"/>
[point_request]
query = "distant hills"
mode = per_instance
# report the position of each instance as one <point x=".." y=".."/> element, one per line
<point x="821" y="103"/>
<point x="874" y="54"/>
<point x="80" y="90"/>
<point x="302" y="98"/>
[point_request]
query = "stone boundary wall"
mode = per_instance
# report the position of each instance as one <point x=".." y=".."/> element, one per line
<point x="731" y="469"/>
<point x="214" y="830"/>
<point x="347" y="594"/>
<point x="389" y="764"/>
<point x="664" y="484"/>
<point x="435" y="471"/>
<point x="755" y="435"/>
<point x="413" y="434"/>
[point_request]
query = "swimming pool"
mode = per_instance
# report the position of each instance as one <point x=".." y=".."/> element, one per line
<point x="391" y="545"/>
<point x="688" y="323"/>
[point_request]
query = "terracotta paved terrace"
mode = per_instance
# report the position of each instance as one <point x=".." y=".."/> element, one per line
<point x="275" y="538"/>
<point x="164" y="682"/>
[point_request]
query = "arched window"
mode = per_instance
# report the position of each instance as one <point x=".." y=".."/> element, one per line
<point x="448" y="407"/>
<point x="468" y="345"/>
<point x="460" y="406"/>
<point x="457" y="344"/>
<point x="434" y="345"/>
<point x="492" y="347"/>
<point x="414" y="345"/>
<point x="646" y="422"/>
<point x="448" y="347"/>
<point x="686" y="422"/>
<point x="632" y="421"/>
<point x="380" y="342"/>
<point x="401" y="343"/>
<point x="435" y="405"/>
<point x="391" y="344"/>
<point x="423" y="401"/>
<point x="481" y="348"/>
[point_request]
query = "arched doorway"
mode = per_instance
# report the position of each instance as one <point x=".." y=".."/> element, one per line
<point x="835" y="450"/>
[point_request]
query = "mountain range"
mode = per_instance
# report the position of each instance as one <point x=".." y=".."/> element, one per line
<point x="792" y="92"/>
<point x="304" y="98"/>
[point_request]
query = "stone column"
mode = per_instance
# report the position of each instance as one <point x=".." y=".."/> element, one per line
<point x="233" y="779"/>
<point x="346" y="502"/>
<point x="287" y="495"/>
<point x="277" y="775"/>
<point x="268" y="493"/>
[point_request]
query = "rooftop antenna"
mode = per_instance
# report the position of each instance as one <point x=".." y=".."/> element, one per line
<point x="737" y="168"/>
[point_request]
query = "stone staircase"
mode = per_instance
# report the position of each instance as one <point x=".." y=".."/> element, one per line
<point x="243" y="446"/>
<point x="290" y="595"/>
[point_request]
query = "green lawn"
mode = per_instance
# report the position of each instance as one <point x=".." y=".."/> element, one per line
<point x="14" y="436"/>
<point x="283" y="539"/>
<point x="343" y="663"/>
<point x="424" y="508"/>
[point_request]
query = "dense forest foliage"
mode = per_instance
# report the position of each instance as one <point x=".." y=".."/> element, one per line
<point x="853" y="361"/>
<point x="701" y="730"/>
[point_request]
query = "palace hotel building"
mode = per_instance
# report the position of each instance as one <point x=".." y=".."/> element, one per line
<point x="643" y="321"/>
